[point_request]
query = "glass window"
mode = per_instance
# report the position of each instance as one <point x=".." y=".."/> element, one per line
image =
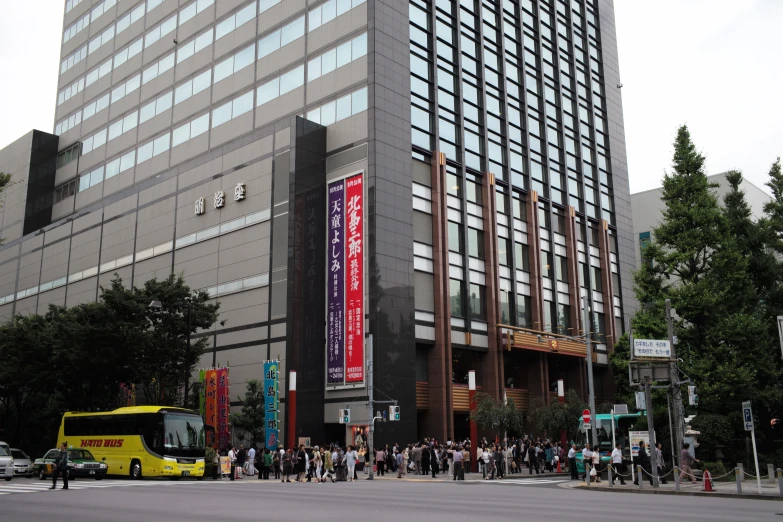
<point x="505" y="307"/>
<point x="546" y="264"/>
<point x="455" y="237"/>
<point x="291" y="80"/>
<point x="549" y="313"/>
<point x="478" y="302"/>
<point x="456" y="291"/>
<point x="452" y="182"/>
<point x="561" y="268"/>
<point x="475" y="243"/>
<point x="524" y="311"/>
<point x="504" y="251"/>
<point x="519" y="209"/>
<point x="221" y="115"/>
<point x="597" y="281"/>
<point x="269" y="91"/>
<point x="473" y="192"/>
<point x="522" y="257"/>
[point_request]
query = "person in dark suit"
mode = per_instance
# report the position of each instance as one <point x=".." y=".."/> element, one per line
<point x="425" y="459"/>
<point x="644" y="461"/>
<point x="61" y="467"/>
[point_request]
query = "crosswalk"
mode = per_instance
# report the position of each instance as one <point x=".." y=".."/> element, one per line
<point x="524" y="482"/>
<point x="36" y="486"/>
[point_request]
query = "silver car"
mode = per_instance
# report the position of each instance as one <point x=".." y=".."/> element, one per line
<point x="23" y="464"/>
<point x="6" y="462"/>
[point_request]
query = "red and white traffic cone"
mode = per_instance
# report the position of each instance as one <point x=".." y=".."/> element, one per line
<point x="707" y="478"/>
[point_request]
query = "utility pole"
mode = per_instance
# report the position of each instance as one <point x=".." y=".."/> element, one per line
<point x="590" y="385"/>
<point x="651" y="429"/>
<point x="679" y="431"/>
<point x="370" y="413"/>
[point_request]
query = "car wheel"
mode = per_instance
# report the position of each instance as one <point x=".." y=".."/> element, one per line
<point x="41" y="474"/>
<point x="8" y="479"/>
<point x="135" y="470"/>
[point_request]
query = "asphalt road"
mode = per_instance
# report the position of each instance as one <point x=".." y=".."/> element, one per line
<point x="378" y="501"/>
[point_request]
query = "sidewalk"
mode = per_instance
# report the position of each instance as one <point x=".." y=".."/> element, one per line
<point x="722" y="489"/>
<point x="469" y="477"/>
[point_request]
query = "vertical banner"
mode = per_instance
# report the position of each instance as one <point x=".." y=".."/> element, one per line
<point x="271" y="404"/>
<point x="345" y="282"/>
<point x="211" y="418"/>
<point x="354" y="283"/>
<point x="223" y="408"/>
<point x="335" y="291"/>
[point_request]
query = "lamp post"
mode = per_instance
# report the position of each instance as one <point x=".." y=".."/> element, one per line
<point x="187" y="303"/>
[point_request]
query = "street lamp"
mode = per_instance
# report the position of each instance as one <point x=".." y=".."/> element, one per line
<point x="157" y="306"/>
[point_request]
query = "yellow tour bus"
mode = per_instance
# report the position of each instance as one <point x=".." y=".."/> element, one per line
<point x="140" y="441"/>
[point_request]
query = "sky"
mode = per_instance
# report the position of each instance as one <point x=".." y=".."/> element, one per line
<point x="714" y="65"/>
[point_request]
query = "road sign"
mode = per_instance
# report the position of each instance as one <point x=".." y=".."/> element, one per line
<point x="637" y="437"/>
<point x="587" y="427"/>
<point x="641" y="401"/>
<point x="620" y="409"/>
<point x="586" y="416"/>
<point x="652" y="348"/>
<point x="747" y="416"/>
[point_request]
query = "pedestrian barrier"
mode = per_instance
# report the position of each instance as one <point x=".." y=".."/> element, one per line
<point x="779" y="474"/>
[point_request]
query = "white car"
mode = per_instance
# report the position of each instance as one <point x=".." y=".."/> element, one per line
<point x="6" y="462"/>
<point x="23" y="464"/>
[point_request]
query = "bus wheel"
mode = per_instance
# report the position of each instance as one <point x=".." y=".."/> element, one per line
<point x="135" y="469"/>
<point x="41" y="474"/>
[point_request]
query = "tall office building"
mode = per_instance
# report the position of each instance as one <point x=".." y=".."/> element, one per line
<point x="441" y="176"/>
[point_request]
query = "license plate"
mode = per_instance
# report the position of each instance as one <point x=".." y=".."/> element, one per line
<point x="92" y="473"/>
<point x="186" y="473"/>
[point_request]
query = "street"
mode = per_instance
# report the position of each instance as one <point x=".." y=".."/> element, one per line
<point x="380" y="500"/>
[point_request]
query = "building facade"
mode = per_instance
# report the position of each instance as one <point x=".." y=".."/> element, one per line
<point x="484" y="142"/>
<point x="648" y="208"/>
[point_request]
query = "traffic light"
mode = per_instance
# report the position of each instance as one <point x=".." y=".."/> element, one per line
<point x="345" y="416"/>
<point x="693" y="396"/>
<point x="394" y="413"/>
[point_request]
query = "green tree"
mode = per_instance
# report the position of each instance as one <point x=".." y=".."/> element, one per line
<point x="251" y="418"/>
<point x="499" y="417"/>
<point x="556" y="417"/>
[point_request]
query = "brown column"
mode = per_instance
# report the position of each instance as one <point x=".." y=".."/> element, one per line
<point x="440" y="412"/>
<point x="606" y="276"/>
<point x="492" y="369"/>
<point x="534" y="247"/>
<point x="545" y="369"/>
<point x="572" y="252"/>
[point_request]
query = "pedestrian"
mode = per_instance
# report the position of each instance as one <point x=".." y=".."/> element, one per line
<point x="241" y="458"/>
<point x="391" y="462"/>
<point x="686" y="461"/>
<point x="417" y="450"/>
<point x="659" y="462"/>
<point x="380" y="462"/>
<point x="466" y="457"/>
<point x="351" y="457"/>
<point x="426" y="454"/>
<point x="597" y="465"/>
<point x="485" y="463"/>
<point x="549" y="457"/>
<point x="587" y="460"/>
<point x="644" y="461"/>
<point x="400" y="458"/>
<point x="300" y="466"/>
<point x="276" y="464"/>
<point x="328" y="465"/>
<point x="458" y="457"/>
<point x="266" y="465"/>
<point x="532" y="460"/>
<point x="60" y="467"/>
<point x="251" y="462"/>
<point x="316" y="464"/>
<point x="618" y="464"/>
<point x="288" y="465"/>
<point x="498" y="457"/>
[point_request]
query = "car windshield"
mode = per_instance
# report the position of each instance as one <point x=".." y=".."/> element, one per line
<point x="80" y="454"/>
<point x="3" y="452"/>
<point x="19" y="454"/>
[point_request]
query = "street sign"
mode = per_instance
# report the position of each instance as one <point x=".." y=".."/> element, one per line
<point x="586" y="416"/>
<point x="747" y="416"/>
<point x="652" y="348"/>
<point x="641" y="401"/>
<point x="620" y="409"/>
<point x="588" y="427"/>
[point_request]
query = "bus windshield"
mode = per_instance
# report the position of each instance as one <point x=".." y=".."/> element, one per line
<point x="183" y="435"/>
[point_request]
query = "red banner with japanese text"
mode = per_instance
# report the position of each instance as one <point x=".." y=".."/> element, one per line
<point x="223" y="406"/>
<point x="211" y="409"/>
<point x="354" y="279"/>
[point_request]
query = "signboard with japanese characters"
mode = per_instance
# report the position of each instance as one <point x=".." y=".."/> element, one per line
<point x="345" y="282"/>
<point x="652" y="348"/>
<point x="271" y="404"/>
<point x="219" y="199"/>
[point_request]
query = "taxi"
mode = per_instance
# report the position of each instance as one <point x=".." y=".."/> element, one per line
<point x="81" y="464"/>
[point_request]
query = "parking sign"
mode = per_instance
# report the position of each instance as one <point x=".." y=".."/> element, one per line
<point x="747" y="416"/>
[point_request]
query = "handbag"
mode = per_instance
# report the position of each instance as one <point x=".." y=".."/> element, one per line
<point x="593" y="472"/>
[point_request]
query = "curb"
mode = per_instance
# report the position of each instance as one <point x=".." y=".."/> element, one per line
<point x="678" y="493"/>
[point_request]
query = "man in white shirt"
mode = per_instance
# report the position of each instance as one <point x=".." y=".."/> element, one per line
<point x="572" y="462"/>
<point x="250" y="463"/>
<point x="618" y="466"/>
<point x="587" y="460"/>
